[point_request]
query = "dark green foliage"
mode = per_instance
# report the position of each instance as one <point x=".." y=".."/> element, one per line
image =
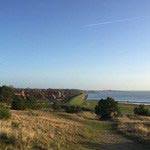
<point x="5" y="113"/>
<point x="56" y="106"/>
<point x="107" y="108"/>
<point x="6" y="94"/>
<point x="30" y="103"/>
<point x="19" y="103"/>
<point x="141" y="110"/>
<point x="4" y="138"/>
<point x="73" y="109"/>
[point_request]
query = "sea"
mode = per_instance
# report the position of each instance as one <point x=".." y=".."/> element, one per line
<point x="132" y="97"/>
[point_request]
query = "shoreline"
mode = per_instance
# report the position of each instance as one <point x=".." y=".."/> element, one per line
<point x="127" y="102"/>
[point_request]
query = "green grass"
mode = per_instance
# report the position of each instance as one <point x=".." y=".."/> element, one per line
<point x="101" y="125"/>
<point x="80" y="101"/>
<point x="127" y="108"/>
<point x="77" y="100"/>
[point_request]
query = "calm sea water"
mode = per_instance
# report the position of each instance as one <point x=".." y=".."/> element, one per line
<point x="137" y="97"/>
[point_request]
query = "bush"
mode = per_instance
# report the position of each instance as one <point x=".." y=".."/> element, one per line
<point x="56" y="106"/>
<point x="107" y="108"/>
<point x="6" y="139"/>
<point x="18" y="103"/>
<point x="30" y="103"/>
<point x="5" y="113"/>
<point x="6" y="94"/>
<point x="141" y="110"/>
<point x="73" y="109"/>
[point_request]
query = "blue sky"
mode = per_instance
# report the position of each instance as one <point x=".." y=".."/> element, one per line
<point x="85" y="44"/>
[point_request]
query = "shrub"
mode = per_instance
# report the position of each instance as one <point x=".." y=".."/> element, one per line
<point x="18" y="103"/>
<point x="56" y="106"/>
<point x="107" y="108"/>
<point x="6" y="139"/>
<point x="5" y="113"/>
<point x="141" y="110"/>
<point x="73" y="109"/>
<point x="30" y="103"/>
<point x="6" y="94"/>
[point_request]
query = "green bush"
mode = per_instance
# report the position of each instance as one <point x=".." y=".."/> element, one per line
<point x="6" y="139"/>
<point x="18" y="103"/>
<point x="30" y="103"/>
<point x="141" y="110"/>
<point x="6" y="94"/>
<point x="107" y="108"/>
<point x="5" y="113"/>
<point x="73" y="109"/>
<point x="56" y="106"/>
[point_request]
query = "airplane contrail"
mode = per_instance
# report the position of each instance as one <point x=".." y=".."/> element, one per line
<point x="116" y="21"/>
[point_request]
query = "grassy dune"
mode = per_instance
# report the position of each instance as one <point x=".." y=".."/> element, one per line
<point x="45" y="130"/>
<point x="39" y="130"/>
<point x="137" y="127"/>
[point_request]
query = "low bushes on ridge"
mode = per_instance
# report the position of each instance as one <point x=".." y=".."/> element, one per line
<point x="141" y="110"/>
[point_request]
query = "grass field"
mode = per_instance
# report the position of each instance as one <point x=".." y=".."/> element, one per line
<point x="56" y="130"/>
<point x="40" y="130"/>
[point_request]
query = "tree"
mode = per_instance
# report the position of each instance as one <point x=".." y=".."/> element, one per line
<point x="6" y="94"/>
<point x="107" y="108"/>
<point x="141" y="110"/>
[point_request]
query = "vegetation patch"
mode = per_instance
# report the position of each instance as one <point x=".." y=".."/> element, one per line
<point x="107" y="108"/>
<point x="5" y="113"/>
<point x="73" y="109"/>
<point x="137" y="127"/>
<point x="4" y="138"/>
<point x="141" y="110"/>
<point x="56" y="106"/>
<point x="15" y="125"/>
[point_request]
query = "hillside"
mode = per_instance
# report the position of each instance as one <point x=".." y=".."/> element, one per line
<point x="39" y="130"/>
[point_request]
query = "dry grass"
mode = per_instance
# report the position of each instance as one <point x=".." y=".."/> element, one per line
<point x="41" y="130"/>
<point x="135" y="126"/>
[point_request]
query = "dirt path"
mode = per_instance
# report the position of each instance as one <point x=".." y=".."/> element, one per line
<point x="113" y="142"/>
<point x="102" y="135"/>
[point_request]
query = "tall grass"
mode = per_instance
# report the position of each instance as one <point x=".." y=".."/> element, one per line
<point x="137" y="127"/>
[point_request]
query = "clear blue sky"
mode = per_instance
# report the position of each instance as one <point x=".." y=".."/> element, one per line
<point x="85" y="44"/>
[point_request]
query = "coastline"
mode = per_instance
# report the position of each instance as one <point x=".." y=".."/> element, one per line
<point x="124" y="97"/>
<point x="125" y="102"/>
